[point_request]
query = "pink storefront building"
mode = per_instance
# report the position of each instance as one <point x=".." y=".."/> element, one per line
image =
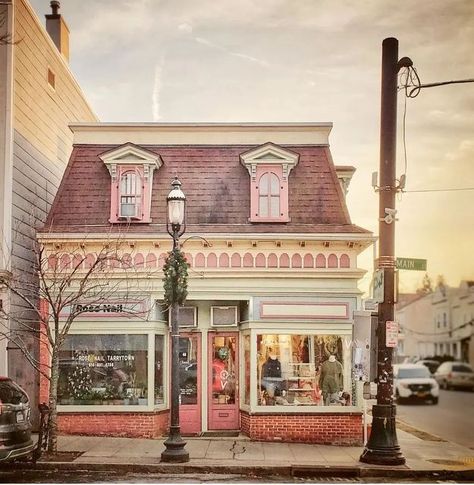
<point x="267" y="327"/>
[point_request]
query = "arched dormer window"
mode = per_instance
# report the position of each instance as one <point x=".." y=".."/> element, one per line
<point x="269" y="167"/>
<point x="130" y="194"/>
<point x="131" y="176"/>
<point x="269" y="195"/>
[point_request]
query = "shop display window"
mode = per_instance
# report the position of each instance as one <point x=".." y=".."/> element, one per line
<point x="303" y="370"/>
<point x="103" y="370"/>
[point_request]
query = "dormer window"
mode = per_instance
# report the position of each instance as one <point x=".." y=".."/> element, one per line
<point x="269" y="196"/>
<point x="130" y="194"/>
<point x="131" y="174"/>
<point x="269" y="167"/>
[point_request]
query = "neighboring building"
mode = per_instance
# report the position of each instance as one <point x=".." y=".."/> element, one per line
<point x="438" y="324"/>
<point x="38" y="98"/>
<point x="272" y="290"/>
<point x="462" y="315"/>
<point x="413" y="313"/>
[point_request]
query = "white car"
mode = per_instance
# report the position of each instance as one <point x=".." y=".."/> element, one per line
<point x="414" y="382"/>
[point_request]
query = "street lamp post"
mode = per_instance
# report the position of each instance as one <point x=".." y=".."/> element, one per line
<point x="175" y="451"/>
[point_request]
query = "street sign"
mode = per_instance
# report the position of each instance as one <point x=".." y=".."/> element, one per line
<point x="391" y="334"/>
<point x="378" y="285"/>
<point x="411" y="263"/>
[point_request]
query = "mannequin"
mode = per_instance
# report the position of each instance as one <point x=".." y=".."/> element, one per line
<point x="271" y="374"/>
<point x="330" y="380"/>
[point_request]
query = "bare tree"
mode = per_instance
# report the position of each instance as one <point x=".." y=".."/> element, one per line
<point x="64" y="282"/>
<point x="426" y="286"/>
<point x="5" y="36"/>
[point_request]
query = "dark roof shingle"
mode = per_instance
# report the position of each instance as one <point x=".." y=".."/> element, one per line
<point x="217" y="188"/>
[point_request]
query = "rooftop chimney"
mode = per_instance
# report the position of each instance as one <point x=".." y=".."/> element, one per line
<point x="58" y="30"/>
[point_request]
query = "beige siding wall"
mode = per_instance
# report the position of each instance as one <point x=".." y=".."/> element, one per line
<point x="42" y="114"/>
<point x="41" y="145"/>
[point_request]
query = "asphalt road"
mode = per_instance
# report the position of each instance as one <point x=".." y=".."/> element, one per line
<point x="452" y="419"/>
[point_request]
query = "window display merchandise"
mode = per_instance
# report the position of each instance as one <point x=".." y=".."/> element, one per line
<point x="303" y="370"/>
<point x="108" y="370"/>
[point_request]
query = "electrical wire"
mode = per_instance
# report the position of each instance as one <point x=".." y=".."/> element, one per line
<point x="434" y="334"/>
<point x="404" y="135"/>
<point x="440" y="190"/>
<point x="442" y="83"/>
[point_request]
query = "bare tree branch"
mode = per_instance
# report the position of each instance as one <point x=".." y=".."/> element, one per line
<point x="65" y="281"/>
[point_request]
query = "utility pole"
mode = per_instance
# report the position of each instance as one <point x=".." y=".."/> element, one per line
<point x="382" y="447"/>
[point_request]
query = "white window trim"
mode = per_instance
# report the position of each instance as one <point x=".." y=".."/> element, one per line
<point x="269" y="154"/>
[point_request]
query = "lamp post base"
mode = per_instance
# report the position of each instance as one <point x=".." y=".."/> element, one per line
<point x="175" y="452"/>
<point x="382" y="447"/>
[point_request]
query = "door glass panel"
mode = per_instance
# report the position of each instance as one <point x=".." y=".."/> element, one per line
<point x="188" y="370"/>
<point x="223" y="370"/>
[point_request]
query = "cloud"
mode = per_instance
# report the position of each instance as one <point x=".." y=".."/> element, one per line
<point x="157" y="90"/>
<point x="246" y="57"/>
<point x="185" y="27"/>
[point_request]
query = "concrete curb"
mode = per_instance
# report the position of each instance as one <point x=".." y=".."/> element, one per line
<point x="300" y="471"/>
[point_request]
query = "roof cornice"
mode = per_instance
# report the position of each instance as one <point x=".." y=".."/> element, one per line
<point x="152" y="133"/>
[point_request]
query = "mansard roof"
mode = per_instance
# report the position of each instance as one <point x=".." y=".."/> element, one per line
<point x="217" y="187"/>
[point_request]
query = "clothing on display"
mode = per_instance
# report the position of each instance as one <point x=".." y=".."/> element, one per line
<point x="271" y="368"/>
<point x="271" y="376"/>
<point x="331" y="380"/>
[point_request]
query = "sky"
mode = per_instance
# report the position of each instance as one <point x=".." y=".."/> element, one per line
<point x="300" y="61"/>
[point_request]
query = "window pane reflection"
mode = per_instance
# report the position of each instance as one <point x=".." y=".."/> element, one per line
<point x="188" y="370"/>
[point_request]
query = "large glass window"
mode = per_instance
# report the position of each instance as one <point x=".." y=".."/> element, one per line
<point x="103" y="369"/>
<point x="302" y="370"/>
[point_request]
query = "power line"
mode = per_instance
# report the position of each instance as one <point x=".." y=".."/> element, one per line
<point x="440" y="190"/>
<point x="415" y="91"/>
<point x="434" y="334"/>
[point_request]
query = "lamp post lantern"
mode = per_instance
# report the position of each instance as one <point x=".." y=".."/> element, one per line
<point x="175" y="451"/>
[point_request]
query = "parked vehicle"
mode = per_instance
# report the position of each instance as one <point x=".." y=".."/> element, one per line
<point x="414" y="381"/>
<point x="455" y="374"/>
<point x="431" y="364"/>
<point x="15" y="426"/>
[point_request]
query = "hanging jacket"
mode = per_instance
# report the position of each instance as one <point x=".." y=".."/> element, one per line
<point x="271" y="368"/>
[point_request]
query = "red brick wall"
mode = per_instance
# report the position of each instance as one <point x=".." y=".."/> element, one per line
<point x="131" y="425"/>
<point x="328" y="429"/>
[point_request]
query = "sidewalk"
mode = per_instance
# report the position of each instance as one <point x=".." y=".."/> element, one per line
<point x="425" y="457"/>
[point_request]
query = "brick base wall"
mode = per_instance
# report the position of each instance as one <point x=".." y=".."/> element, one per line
<point x="328" y="429"/>
<point x="130" y="425"/>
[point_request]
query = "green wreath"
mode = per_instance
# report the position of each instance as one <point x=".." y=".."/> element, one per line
<point x="176" y="278"/>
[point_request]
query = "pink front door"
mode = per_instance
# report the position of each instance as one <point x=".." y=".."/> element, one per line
<point x="223" y="381"/>
<point x="190" y="383"/>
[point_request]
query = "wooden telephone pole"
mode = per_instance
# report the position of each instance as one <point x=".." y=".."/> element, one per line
<point x="382" y="447"/>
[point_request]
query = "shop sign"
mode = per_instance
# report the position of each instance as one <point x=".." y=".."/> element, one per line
<point x="113" y="309"/>
<point x="102" y="360"/>
<point x="391" y="334"/>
